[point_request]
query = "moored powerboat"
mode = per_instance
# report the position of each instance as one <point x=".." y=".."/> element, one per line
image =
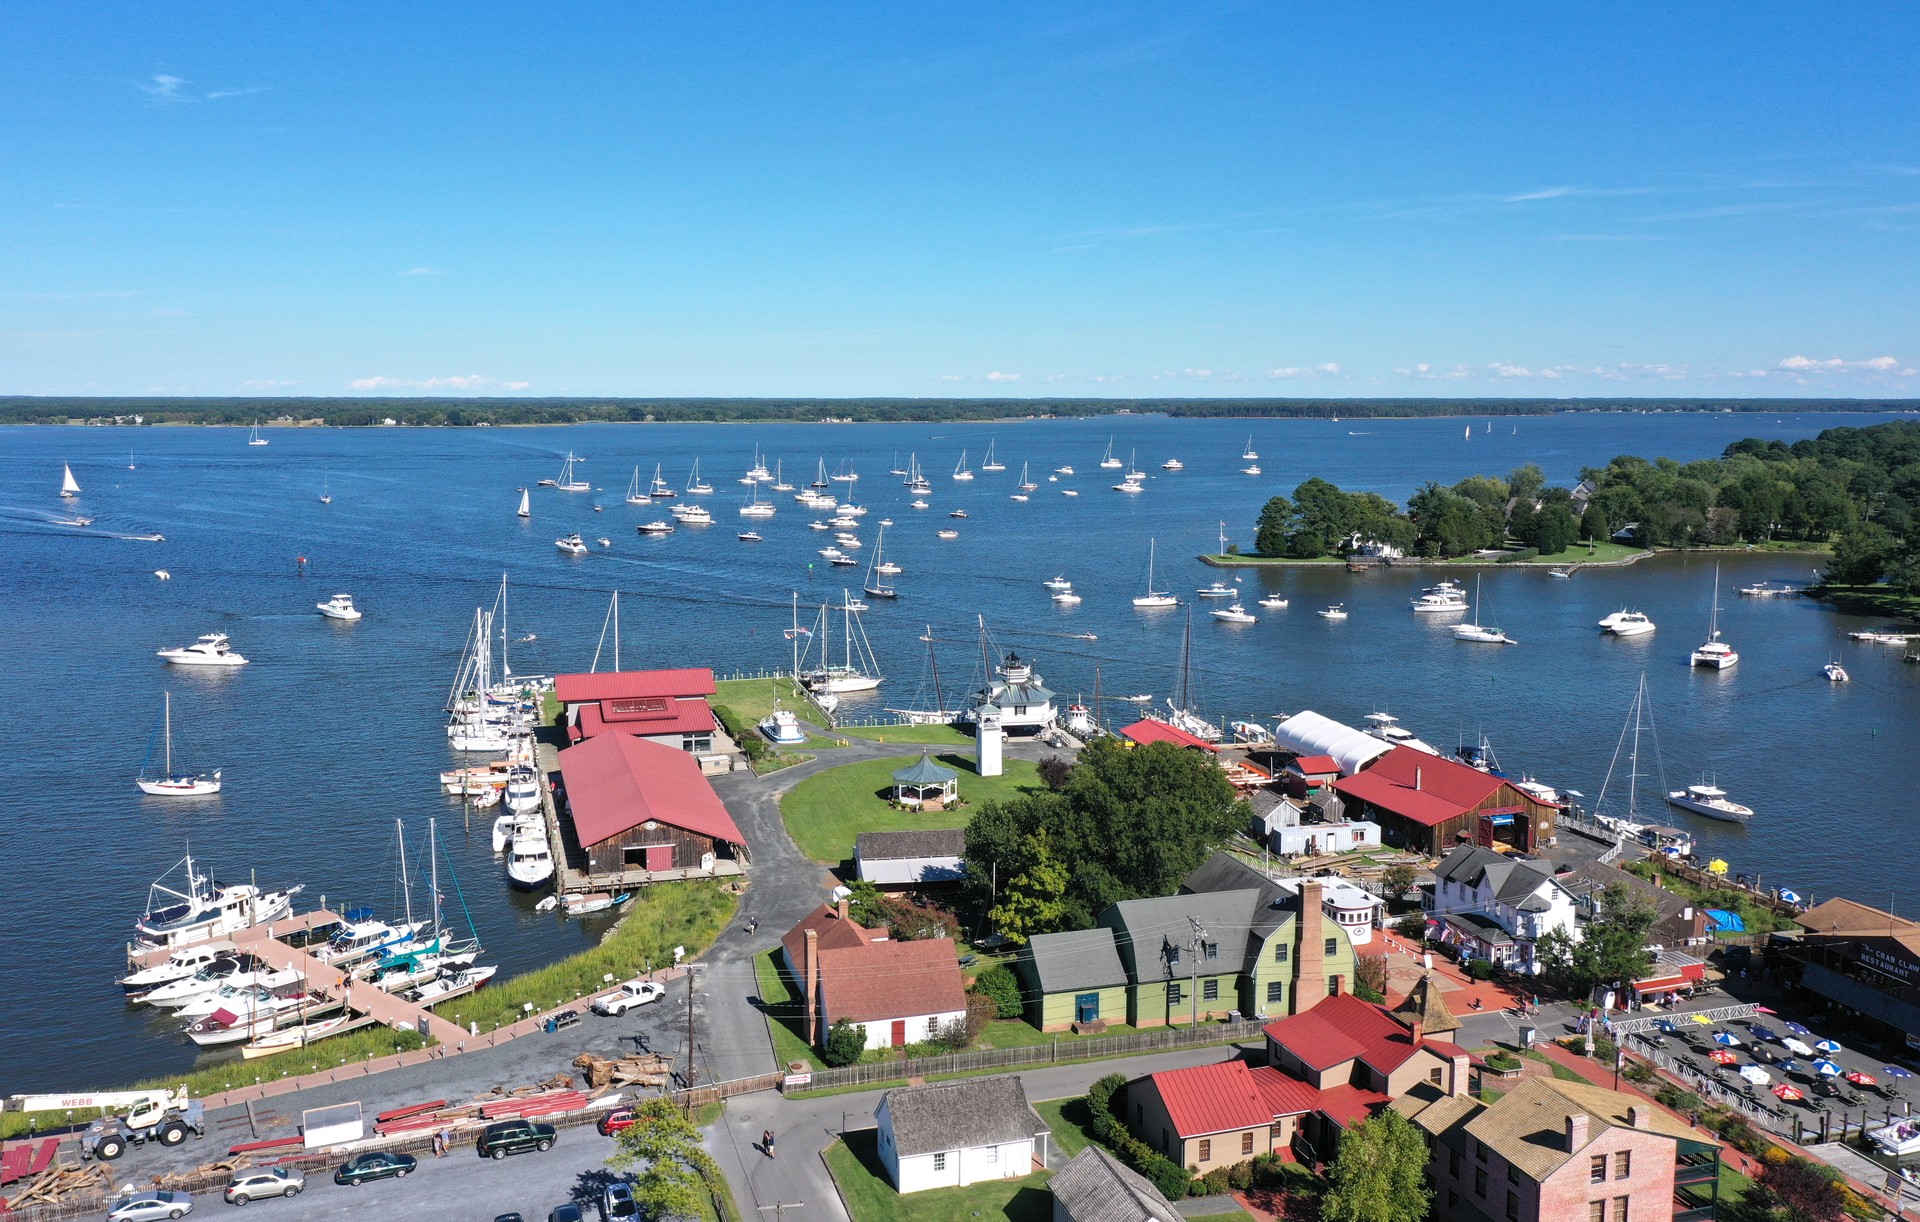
<point x="1273" y="602"/>
<point x="1337" y="611"/>
<point x="1445" y="597"/>
<point x="1058" y="583"/>
<point x="529" y="861"/>
<point x="210" y="650"/>
<point x="1710" y="800"/>
<point x="197" y="908"/>
<point x="1627" y="623"/>
<point x="179" y="965"/>
<point x="1234" y="614"/>
<point x="1835" y="672"/>
<point x="573" y="545"/>
<point x="1066" y="598"/>
<point x="1218" y="589"/>
<point x="655" y="527"/>
<point x="340" y="606"/>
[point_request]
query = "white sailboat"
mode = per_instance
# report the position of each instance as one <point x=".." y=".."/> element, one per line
<point x="566" y="482"/>
<point x="1249" y="453"/>
<point x="960" y="471"/>
<point x="660" y="489"/>
<point x="169" y="783"/>
<point x="634" y="494"/>
<point x="1108" y="462"/>
<point x="254" y="438"/>
<point x="858" y="671"/>
<point x="780" y="483"/>
<point x="326" y="492"/>
<point x="755" y="507"/>
<point x="695" y="485"/>
<point x="1715" y="654"/>
<point x="993" y="464"/>
<point x="526" y="504"/>
<point x="877" y="584"/>
<point x="69" y="487"/>
<point x="1478" y="632"/>
<point x="1153" y="597"/>
<point x="1026" y="484"/>
<point x="845" y="472"/>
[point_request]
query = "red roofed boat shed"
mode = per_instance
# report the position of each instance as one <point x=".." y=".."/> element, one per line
<point x="669" y="707"/>
<point x="637" y="806"/>
<point x="1431" y="804"/>
<point x="1147" y="730"/>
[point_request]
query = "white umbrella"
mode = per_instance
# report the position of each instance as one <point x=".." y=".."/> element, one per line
<point x="1797" y="1047"/>
<point x="1754" y="1074"/>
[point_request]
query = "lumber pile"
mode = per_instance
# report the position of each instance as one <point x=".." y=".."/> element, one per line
<point x="60" y="1181"/>
<point x="651" y="1069"/>
<point x="195" y="1180"/>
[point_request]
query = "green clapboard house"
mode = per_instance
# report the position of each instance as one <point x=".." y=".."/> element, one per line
<point x="1231" y="940"/>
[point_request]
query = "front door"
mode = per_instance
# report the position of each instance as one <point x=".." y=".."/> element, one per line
<point x="1086" y="1007"/>
<point x="659" y="857"/>
<point x="899" y="1033"/>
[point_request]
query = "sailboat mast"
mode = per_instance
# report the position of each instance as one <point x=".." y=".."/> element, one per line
<point x="793" y="641"/>
<point x="1633" y="758"/>
<point x="505" y="667"/>
<point x="933" y="660"/>
<point x="167" y="733"/>
<point x="406" y="884"/>
<point x="986" y="659"/>
<point x="1186" y="661"/>
<point x="433" y="874"/>
<point x="616" y="632"/>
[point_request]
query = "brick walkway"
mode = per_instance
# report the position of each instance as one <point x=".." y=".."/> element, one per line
<point x="1405" y="966"/>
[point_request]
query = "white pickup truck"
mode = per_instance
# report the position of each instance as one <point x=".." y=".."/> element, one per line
<point x="632" y="993"/>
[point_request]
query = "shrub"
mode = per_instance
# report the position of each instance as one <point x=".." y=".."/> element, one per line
<point x="1676" y="1098"/>
<point x="1370" y="977"/>
<point x="981" y="1010"/>
<point x="1503" y="1062"/>
<point x="1269" y="1171"/>
<point x="1412" y="927"/>
<point x="1240" y="1176"/>
<point x="846" y="1041"/>
<point x="1169" y="1177"/>
<point x="1480" y="969"/>
<point x="1054" y="770"/>
<point x="1100" y="1094"/>
<point x="1002" y="986"/>
<point x="1213" y="1183"/>
<point x="1639" y="1073"/>
<point x="1605" y="1049"/>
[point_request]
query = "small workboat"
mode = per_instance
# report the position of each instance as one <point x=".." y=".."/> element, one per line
<point x="1273" y="602"/>
<point x="1338" y="611"/>
<point x="749" y="536"/>
<point x="1058" y="583"/>
<point x="1066" y="598"/>
<point x="1835" y="672"/>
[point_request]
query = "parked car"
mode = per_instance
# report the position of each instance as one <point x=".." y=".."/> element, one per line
<point x="617" y="1119"/>
<point x="632" y="993"/>
<point x="257" y="1182"/>
<point x="568" y="1212"/>
<point x="617" y="1202"/>
<point x="515" y="1137"/>
<point x="146" y="1206"/>
<point x="375" y="1165"/>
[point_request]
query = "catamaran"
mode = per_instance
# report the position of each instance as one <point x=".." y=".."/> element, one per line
<point x="1715" y="654"/>
<point x="566" y="482"/>
<point x="171" y="783"/>
<point x="1153" y="597"/>
<point x="993" y="464"/>
<point x="69" y="487"/>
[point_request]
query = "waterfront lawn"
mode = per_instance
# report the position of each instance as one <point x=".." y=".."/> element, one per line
<point x="862" y="1179"/>
<point x="781" y="1006"/>
<point x="1019" y="1033"/>
<point x="752" y="699"/>
<point x="659" y="918"/>
<point x="1872" y="600"/>
<point x="827" y="810"/>
<point x="935" y="736"/>
<point x="1581" y="553"/>
<point x="1757" y="917"/>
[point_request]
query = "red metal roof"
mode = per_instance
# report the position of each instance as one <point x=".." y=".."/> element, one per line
<point x="1345" y="1105"/>
<point x="1148" y="730"/>
<point x="617" y="782"/>
<point x="684" y="717"/>
<point x="1284" y="1096"/>
<point x="1422" y="787"/>
<point x="1215" y="1098"/>
<point x="634" y="684"/>
<point x="1315" y="765"/>
<point x="1345" y="1028"/>
<point x="883" y="980"/>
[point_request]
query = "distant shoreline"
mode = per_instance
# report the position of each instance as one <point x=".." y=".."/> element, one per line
<point x="1562" y="560"/>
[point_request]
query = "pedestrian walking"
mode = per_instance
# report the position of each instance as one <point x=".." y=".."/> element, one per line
<point x="766" y="1142"/>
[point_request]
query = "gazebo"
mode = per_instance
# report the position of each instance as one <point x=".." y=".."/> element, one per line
<point x="925" y="785"/>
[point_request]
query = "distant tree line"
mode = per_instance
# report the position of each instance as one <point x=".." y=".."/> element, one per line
<point x="451" y="412"/>
<point x="1855" y="488"/>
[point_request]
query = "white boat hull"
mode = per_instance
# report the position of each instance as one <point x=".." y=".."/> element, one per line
<point x="181" y="657"/>
<point x="1730" y="813"/>
<point x="181" y="787"/>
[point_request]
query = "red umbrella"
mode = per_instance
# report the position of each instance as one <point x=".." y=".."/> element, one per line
<point x="1860" y="1078"/>
<point x="1788" y="1094"/>
<point x="1720" y="1056"/>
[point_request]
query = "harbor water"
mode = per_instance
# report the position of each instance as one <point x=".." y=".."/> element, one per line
<point x="335" y="730"/>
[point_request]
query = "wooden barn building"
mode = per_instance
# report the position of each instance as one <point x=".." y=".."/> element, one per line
<point x="640" y="810"/>
<point x="1431" y="804"/>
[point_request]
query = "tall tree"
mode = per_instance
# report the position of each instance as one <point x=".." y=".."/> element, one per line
<point x="1270" y="533"/>
<point x="1379" y="1174"/>
<point x="1612" y="949"/>
<point x="664" y="1148"/>
<point x="1034" y="900"/>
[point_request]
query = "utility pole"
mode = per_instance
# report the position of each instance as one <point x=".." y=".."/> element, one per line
<point x="693" y="1071"/>
<point x="1199" y="943"/>
<point x="779" y="1208"/>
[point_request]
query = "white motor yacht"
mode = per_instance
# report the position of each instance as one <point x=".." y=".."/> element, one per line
<point x="1337" y="611"/>
<point x="179" y="965"/>
<point x="1627" y="623"/>
<point x="529" y="862"/>
<point x="782" y="728"/>
<point x="655" y="527"/>
<point x="1835" y="673"/>
<point x="223" y="970"/>
<point x="1710" y="800"/>
<point x="362" y="936"/>
<point x="1253" y="469"/>
<point x="510" y="827"/>
<point x="1273" y="602"/>
<point x="1173" y="464"/>
<point x="1063" y="470"/>
<point x="749" y="536"/>
<point x="946" y="534"/>
<point x="573" y="545"/>
<point x="340" y="606"/>
<point x="1058" y="583"/>
<point x="238" y="992"/>
<point x="210" y="650"/>
<point x="1234" y="613"/>
<point x="1128" y="486"/>
<point x="1440" y="599"/>
<point x="523" y="789"/>
<point x="1218" y="589"/>
<point x="184" y="905"/>
<point x="1387" y="728"/>
<point x="1066" y="598"/>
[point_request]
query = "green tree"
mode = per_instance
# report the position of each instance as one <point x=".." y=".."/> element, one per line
<point x="673" y="1170"/>
<point x="1612" y="949"/>
<point x="1034" y="900"/>
<point x="1527" y="483"/>
<point x="1594" y="525"/>
<point x="1397" y="879"/>
<point x="1270" y="533"/>
<point x="846" y="1042"/>
<point x="1379" y="1174"/>
<point x="1860" y="555"/>
<point x="1001" y="985"/>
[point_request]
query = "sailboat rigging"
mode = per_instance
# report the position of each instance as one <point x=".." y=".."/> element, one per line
<point x="566" y="482"/>
<point x="1153" y="597"/>
<point x="877" y="584"/>
<point x="69" y="487"/>
<point x="858" y="671"/>
<point x="169" y="783"/>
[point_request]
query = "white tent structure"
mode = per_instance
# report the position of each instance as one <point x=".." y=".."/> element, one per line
<point x="1308" y="733"/>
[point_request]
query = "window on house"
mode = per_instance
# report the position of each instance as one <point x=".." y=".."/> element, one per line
<point x="1453" y="1163"/>
<point x="1174" y="993"/>
<point x="1596" y="1211"/>
<point x="1620" y="1209"/>
<point x="1333" y="946"/>
<point x="1513" y="1174"/>
<point x="1480" y="1182"/>
<point x="1139" y="1114"/>
<point x="1453" y="1198"/>
<point x="1480" y="1150"/>
<point x="1206" y="1149"/>
<point x="1597" y="1169"/>
<point x="939" y="1162"/>
<point x="993" y="1154"/>
<point x="1210" y="990"/>
<point x="1213" y="950"/>
<point x="1276" y="992"/>
<point x="1333" y="986"/>
<point x="1433" y="1076"/>
<point x="1246" y="1142"/>
<point x="1623" y="1164"/>
<point x="1280" y="953"/>
<point x="1513" y="1206"/>
<point x="1273" y="1134"/>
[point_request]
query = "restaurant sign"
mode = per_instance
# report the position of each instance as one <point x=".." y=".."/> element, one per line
<point x="1887" y="963"/>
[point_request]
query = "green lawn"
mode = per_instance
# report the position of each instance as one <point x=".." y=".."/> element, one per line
<point x="1872" y="600"/>
<point x="934" y="736"/>
<point x="827" y="810"/>
<point x="782" y="1010"/>
<point x="1018" y="1033"/>
<point x="1070" y="1121"/>
<point x="753" y="699"/>
<point x="856" y="1167"/>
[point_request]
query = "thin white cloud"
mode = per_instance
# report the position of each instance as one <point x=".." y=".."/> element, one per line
<point x="467" y="381"/>
<point x="998" y="376"/>
<point x="423" y="271"/>
<point x="84" y="296"/>
<point x="1327" y="370"/>
<point x="165" y="88"/>
<point x="236" y="93"/>
<point x="953" y="377"/>
<point x="1604" y="237"/>
<point x="1106" y="377"/>
<point x="1803" y="365"/>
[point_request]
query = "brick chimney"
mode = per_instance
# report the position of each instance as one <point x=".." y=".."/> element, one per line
<point x="1416" y="776"/>
<point x="1414" y="1031"/>
<point x="1576" y="1132"/>
<point x="810" y="984"/>
<point x="1639" y="1117"/>
<point x="1310" y="963"/>
<point x="841" y="910"/>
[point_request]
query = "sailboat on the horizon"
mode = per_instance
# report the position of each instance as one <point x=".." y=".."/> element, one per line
<point x="69" y="486"/>
<point x="254" y="438"/>
<point x="169" y="783"/>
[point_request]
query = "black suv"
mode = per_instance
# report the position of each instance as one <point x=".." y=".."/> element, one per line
<point x="515" y="1137"/>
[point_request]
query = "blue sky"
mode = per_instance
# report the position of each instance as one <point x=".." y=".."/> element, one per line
<point x="961" y="199"/>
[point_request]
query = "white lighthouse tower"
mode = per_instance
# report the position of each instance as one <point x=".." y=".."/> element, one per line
<point x="991" y="738"/>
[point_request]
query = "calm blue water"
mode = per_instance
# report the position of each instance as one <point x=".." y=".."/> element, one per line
<point x="335" y="731"/>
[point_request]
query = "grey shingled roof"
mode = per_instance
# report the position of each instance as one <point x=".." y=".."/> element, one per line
<point x="1513" y="882"/>
<point x="1076" y="960"/>
<point x="924" y="771"/>
<point x="902" y="846"/>
<point x="1229" y="917"/>
<point x="1094" y="1187"/>
<point x="960" y="1115"/>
